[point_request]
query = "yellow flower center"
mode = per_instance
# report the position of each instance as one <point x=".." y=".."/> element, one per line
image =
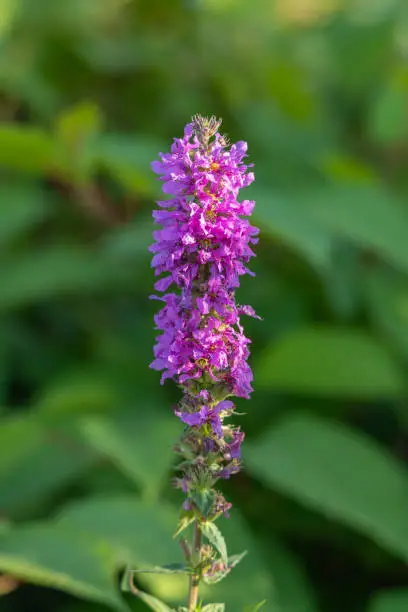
<point x="202" y="363"/>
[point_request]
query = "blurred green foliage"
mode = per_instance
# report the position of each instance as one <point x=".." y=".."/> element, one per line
<point x="90" y="91"/>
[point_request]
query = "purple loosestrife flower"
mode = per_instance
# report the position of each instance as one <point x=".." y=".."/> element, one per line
<point x="201" y="250"/>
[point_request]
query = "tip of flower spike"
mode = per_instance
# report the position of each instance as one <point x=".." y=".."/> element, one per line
<point x="205" y="128"/>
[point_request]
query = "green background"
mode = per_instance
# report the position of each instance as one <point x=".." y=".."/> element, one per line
<point x="90" y="91"/>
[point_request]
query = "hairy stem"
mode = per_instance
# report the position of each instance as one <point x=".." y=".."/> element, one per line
<point x="195" y="578"/>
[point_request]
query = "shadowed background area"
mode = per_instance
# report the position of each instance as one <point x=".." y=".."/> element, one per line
<point x="90" y="92"/>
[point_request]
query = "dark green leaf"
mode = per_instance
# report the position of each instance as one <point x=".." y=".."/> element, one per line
<point x="54" y="454"/>
<point x="292" y="224"/>
<point x="338" y="472"/>
<point x="330" y="361"/>
<point x="369" y="217"/>
<point x="390" y="601"/>
<point x="51" y="271"/>
<point x="115" y="438"/>
<point x="22" y="208"/>
<point x="386" y="297"/>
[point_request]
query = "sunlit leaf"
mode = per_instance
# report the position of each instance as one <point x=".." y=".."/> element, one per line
<point x="139" y="534"/>
<point x="49" y="556"/>
<point x="256" y="607"/>
<point x="153" y="603"/>
<point x="26" y="149"/>
<point x="115" y="438"/>
<point x="214" y="536"/>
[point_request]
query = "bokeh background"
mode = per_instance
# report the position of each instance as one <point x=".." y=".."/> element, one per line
<point x="90" y="91"/>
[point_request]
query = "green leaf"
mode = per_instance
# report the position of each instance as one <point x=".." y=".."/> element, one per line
<point x="369" y="217"/>
<point x="26" y="149"/>
<point x="338" y="472"/>
<point x="293" y="225"/>
<point x="56" y="558"/>
<point x="215" y="577"/>
<point x="78" y="392"/>
<point x="204" y="500"/>
<point x="256" y="607"/>
<point x="76" y="124"/>
<point x="343" y="168"/>
<point x="386" y="296"/>
<point x="172" y="568"/>
<point x="250" y="580"/>
<point x="76" y="129"/>
<point x="186" y="518"/>
<point x="153" y="603"/>
<point x="18" y="439"/>
<point x="214" y="536"/>
<point x="138" y="534"/>
<point x="127" y="159"/>
<point x="130" y="242"/>
<point x="330" y="361"/>
<point x="233" y="560"/>
<point x="390" y="601"/>
<point x="54" y="454"/>
<point x="51" y="271"/>
<point x="387" y="119"/>
<point x="217" y="607"/>
<point x="115" y="438"/>
<point x="22" y="208"/>
<point x="128" y="586"/>
<point x="293" y="591"/>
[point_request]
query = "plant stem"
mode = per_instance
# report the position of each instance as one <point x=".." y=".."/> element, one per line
<point x="195" y="578"/>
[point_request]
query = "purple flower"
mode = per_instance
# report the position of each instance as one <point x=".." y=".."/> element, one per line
<point x="200" y="251"/>
<point x="203" y="232"/>
<point x="235" y="445"/>
<point x="207" y="414"/>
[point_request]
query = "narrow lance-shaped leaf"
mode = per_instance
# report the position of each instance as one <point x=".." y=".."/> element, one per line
<point x="256" y="607"/>
<point x="233" y="560"/>
<point x="173" y="568"/>
<point x="153" y="603"/>
<point x="214" y="536"/>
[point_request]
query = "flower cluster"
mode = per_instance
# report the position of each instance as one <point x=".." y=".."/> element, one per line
<point x="200" y="251"/>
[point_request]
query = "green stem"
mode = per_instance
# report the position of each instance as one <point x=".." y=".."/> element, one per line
<point x="195" y="578"/>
